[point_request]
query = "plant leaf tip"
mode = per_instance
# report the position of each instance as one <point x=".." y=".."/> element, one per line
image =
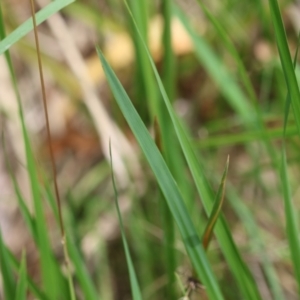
<point x="227" y="161"/>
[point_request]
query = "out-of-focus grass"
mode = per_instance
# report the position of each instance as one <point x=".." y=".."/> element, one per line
<point x="225" y="82"/>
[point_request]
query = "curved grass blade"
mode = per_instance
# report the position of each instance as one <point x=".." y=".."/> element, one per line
<point x="135" y="289"/>
<point x="22" y="282"/>
<point x="27" y="26"/>
<point x="166" y="182"/>
<point x="286" y="60"/>
<point x="241" y="272"/>
<point x="206" y="237"/>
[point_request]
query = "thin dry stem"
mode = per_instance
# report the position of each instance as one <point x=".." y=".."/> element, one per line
<point x="54" y="173"/>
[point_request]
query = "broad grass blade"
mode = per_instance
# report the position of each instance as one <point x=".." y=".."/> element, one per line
<point x="166" y="182"/>
<point x="241" y="272"/>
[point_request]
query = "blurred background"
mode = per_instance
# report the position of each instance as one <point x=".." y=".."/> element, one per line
<point x="222" y="69"/>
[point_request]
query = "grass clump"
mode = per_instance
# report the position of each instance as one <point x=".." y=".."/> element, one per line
<point x="236" y="96"/>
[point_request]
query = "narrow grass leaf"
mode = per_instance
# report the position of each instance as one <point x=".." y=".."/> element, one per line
<point x="146" y="86"/>
<point x="29" y="220"/>
<point x="288" y="98"/>
<point x="6" y="272"/>
<point x="22" y="282"/>
<point x="286" y="60"/>
<point x="47" y="191"/>
<point x="241" y="272"/>
<point x="27" y="26"/>
<point x="242" y="138"/>
<point x="292" y="226"/>
<point x="218" y="72"/>
<point x="225" y="39"/>
<point x="166" y="182"/>
<point x="135" y="289"/>
<point x="217" y="208"/>
<point x="171" y="149"/>
<point x="51" y="274"/>
<point x="31" y="285"/>
<point x="81" y="273"/>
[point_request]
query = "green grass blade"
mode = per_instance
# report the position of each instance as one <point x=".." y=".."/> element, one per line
<point x="291" y="218"/>
<point x="27" y="26"/>
<point x="168" y="226"/>
<point x="51" y="274"/>
<point x="146" y="86"/>
<point x="286" y="60"/>
<point x="81" y="272"/>
<point x="171" y="149"/>
<point x="245" y="137"/>
<point x="227" y="43"/>
<point x="22" y="282"/>
<point x="31" y="285"/>
<point x="169" y="70"/>
<point x="217" y="208"/>
<point x="166" y="182"/>
<point x="135" y="289"/>
<point x="6" y="272"/>
<point x="288" y="98"/>
<point x="241" y="272"/>
<point x="29" y="220"/>
<point x="292" y="227"/>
